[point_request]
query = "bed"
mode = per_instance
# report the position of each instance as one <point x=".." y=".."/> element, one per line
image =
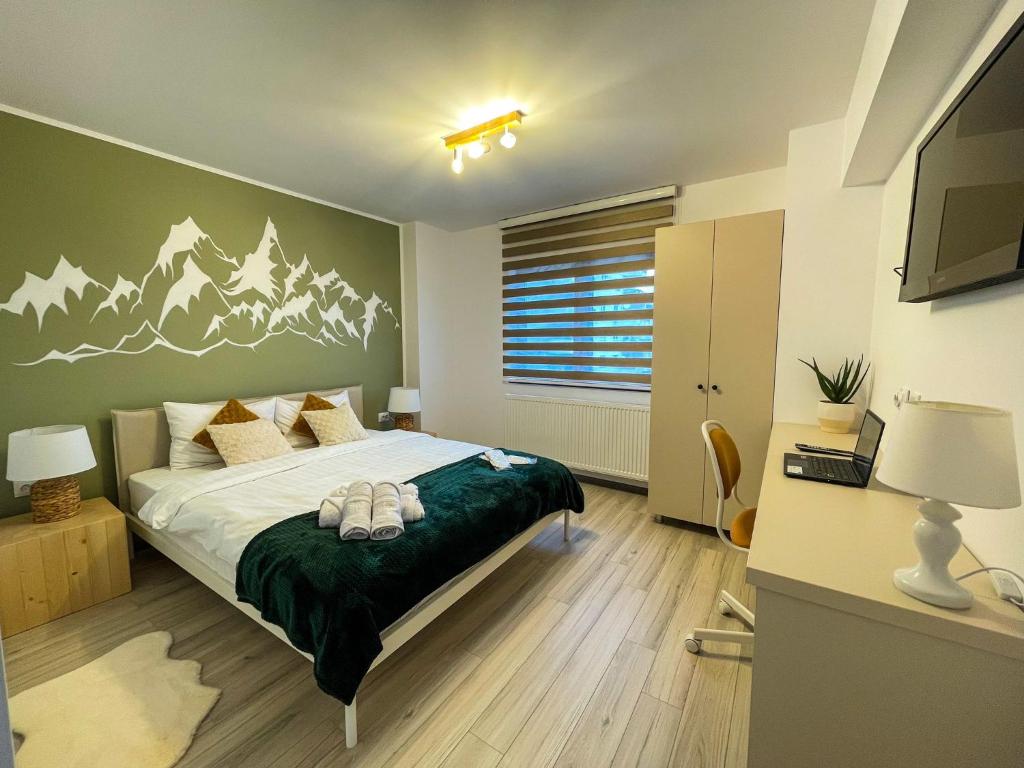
<point x="195" y="517"/>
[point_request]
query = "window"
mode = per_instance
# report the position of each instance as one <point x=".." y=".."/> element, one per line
<point x="578" y="297"/>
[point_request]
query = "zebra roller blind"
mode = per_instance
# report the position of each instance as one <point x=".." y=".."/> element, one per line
<point x="578" y="297"/>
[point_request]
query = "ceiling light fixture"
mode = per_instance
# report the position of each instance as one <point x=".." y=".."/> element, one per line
<point x="508" y="139"/>
<point x="457" y="165"/>
<point x="472" y="138"/>
<point x="478" y="149"/>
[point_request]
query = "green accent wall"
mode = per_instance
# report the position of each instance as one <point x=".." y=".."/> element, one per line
<point x="108" y="210"/>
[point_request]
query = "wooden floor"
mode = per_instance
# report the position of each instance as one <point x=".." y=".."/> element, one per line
<point x="568" y="655"/>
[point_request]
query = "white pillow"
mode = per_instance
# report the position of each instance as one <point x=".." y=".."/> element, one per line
<point x="248" y="441"/>
<point x="287" y="411"/>
<point x="336" y="425"/>
<point x="186" y="420"/>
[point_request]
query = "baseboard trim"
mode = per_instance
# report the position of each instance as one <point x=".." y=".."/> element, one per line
<point x="617" y="483"/>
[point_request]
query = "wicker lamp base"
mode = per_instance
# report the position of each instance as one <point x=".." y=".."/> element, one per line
<point x="405" y="421"/>
<point x="55" y="499"/>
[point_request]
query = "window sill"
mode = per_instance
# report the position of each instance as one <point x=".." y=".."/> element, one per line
<point x="578" y="384"/>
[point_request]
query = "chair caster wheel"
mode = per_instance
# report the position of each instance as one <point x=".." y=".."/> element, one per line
<point x="692" y="644"/>
<point x="724" y="608"/>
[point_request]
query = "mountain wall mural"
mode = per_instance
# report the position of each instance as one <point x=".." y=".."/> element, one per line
<point x="196" y="298"/>
<point x="129" y="279"/>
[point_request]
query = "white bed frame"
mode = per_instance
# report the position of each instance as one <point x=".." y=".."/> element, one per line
<point x="141" y="441"/>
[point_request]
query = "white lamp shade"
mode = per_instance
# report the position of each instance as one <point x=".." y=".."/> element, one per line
<point x="961" y="454"/>
<point x="47" y="452"/>
<point x="404" y="400"/>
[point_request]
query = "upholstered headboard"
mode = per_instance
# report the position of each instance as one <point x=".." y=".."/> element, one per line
<point x="142" y="439"/>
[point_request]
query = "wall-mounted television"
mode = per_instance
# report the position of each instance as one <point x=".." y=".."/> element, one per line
<point x="967" y="217"/>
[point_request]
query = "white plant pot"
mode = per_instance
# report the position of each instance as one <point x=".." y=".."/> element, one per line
<point x="836" y="417"/>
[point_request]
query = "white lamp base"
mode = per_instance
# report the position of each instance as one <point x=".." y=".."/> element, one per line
<point x="937" y="539"/>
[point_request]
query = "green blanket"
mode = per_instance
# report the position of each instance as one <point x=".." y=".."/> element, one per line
<point x="333" y="597"/>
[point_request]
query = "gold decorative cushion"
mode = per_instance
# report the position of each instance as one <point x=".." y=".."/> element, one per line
<point x="335" y="426"/>
<point x="233" y="412"/>
<point x="286" y="413"/>
<point x="247" y="441"/>
<point x="311" y="403"/>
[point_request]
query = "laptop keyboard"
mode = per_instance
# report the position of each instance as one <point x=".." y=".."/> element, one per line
<point x="834" y="469"/>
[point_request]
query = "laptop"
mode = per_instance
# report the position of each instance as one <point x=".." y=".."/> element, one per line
<point x="854" y="471"/>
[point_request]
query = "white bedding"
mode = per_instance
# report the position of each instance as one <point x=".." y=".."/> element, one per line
<point x="142" y="486"/>
<point x="223" y="509"/>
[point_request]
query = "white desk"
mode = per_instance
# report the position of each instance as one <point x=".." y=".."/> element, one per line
<point x="848" y="670"/>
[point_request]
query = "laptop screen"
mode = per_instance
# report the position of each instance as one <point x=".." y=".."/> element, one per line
<point x="867" y="444"/>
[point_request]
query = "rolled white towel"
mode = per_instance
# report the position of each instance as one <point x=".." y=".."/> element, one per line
<point x="386" y="522"/>
<point x="412" y="507"/>
<point x="357" y="511"/>
<point x="330" y="508"/>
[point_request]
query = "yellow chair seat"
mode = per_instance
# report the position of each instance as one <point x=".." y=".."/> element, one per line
<point x="742" y="529"/>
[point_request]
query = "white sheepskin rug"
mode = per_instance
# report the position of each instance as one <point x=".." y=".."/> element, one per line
<point x="133" y="707"/>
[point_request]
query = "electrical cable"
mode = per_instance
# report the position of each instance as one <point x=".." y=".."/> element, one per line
<point x="1017" y="576"/>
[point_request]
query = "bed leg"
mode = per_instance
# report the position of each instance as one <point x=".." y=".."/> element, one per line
<point x="351" y="735"/>
<point x="568" y="526"/>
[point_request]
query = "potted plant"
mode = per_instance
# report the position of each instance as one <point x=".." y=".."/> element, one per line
<point x="837" y="413"/>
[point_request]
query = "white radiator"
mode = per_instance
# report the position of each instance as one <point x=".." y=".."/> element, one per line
<point x="606" y="438"/>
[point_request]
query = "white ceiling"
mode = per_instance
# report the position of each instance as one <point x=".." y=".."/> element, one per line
<point x="347" y="101"/>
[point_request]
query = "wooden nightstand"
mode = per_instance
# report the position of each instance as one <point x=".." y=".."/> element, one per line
<point x="48" y="570"/>
<point x="427" y="432"/>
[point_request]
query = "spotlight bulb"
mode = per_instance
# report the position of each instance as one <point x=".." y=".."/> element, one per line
<point x="508" y="140"/>
<point x="457" y="165"/>
<point x="478" y="149"/>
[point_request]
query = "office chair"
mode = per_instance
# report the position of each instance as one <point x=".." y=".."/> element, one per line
<point x="725" y="460"/>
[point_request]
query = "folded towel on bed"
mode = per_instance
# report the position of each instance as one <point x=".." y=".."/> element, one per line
<point x="357" y="511"/>
<point x="501" y="460"/>
<point x="412" y="507"/>
<point x="497" y="459"/>
<point x="386" y="521"/>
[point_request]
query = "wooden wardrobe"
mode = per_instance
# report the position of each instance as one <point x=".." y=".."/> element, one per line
<point x="716" y="316"/>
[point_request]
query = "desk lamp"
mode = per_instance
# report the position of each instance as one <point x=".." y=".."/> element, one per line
<point x="948" y="453"/>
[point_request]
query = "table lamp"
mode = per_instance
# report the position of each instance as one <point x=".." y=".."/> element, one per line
<point x="948" y="453"/>
<point x="50" y="457"/>
<point x="403" y="403"/>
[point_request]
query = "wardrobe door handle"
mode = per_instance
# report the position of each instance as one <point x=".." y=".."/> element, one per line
<point x="700" y="387"/>
<point x="714" y="387"/>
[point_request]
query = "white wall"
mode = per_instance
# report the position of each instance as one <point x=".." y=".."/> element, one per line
<point x="885" y="23"/>
<point x="734" y="196"/>
<point x="967" y="348"/>
<point x="410" y="308"/>
<point x="459" y="298"/>
<point x="828" y="266"/>
<point x="458" y="293"/>
<point x="912" y="51"/>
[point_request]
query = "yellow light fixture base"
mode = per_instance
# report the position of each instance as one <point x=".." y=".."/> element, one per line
<point x="476" y="132"/>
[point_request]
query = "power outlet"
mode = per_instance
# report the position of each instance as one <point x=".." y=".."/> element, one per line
<point x="21" y="488"/>
<point x="1006" y="587"/>
<point x="905" y="395"/>
<point x="383" y="417"/>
